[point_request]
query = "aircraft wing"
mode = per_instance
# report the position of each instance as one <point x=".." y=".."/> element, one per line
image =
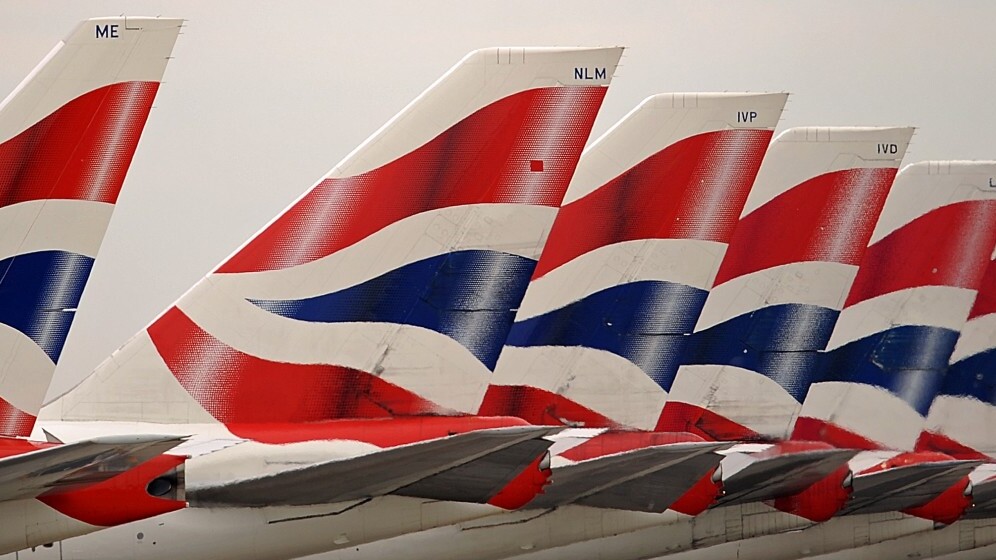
<point x="74" y="465"/>
<point x="481" y="479"/>
<point x="783" y="475"/>
<point x="429" y="469"/>
<point x="904" y="487"/>
<point x="646" y="479"/>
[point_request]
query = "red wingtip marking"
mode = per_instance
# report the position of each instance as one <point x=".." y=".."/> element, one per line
<point x="821" y="501"/>
<point x="11" y="446"/>
<point x="699" y="497"/>
<point x="946" y="508"/>
<point x="906" y="459"/>
<point x="524" y="487"/>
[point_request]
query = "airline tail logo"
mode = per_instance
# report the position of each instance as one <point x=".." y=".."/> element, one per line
<point x="633" y="319"/>
<point x="396" y="276"/>
<point x="781" y="285"/>
<point x="959" y="417"/>
<point x="902" y="316"/>
<point x="60" y="176"/>
<point x="629" y="262"/>
<point x="971" y="373"/>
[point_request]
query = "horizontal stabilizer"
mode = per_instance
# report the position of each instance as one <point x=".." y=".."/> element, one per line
<point x="657" y="491"/>
<point x="774" y="477"/>
<point x="647" y="479"/>
<point x="906" y="487"/>
<point x="479" y="480"/>
<point x="379" y="473"/>
<point x="76" y="465"/>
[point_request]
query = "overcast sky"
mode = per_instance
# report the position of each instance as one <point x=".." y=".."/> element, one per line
<point x="263" y="98"/>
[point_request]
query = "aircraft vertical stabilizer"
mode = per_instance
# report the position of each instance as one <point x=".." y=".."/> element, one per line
<point x="782" y="281"/>
<point x="631" y="256"/>
<point x="67" y="136"/>
<point x="388" y="288"/>
<point x="913" y="292"/>
<point x="962" y="413"/>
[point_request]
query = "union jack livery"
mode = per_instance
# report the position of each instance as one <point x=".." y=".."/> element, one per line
<point x="782" y="281"/>
<point x="916" y="284"/>
<point x="665" y="156"/>
<point x="389" y="287"/>
<point x="630" y="258"/>
<point x="889" y="351"/>
<point x="340" y="355"/>
<point x="962" y="411"/>
<point x="67" y="137"/>
<point x="480" y="336"/>
<point x="609" y="325"/>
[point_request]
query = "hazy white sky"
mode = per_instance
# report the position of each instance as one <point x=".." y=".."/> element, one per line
<point x="263" y="98"/>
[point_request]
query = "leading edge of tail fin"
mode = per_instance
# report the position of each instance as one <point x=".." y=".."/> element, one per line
<point x="782" y="282"/>
<point x="67" y="136"/>
<point x="389" y="286"/>
<point x="631" y="254"/>
<point x="917" y="282"/>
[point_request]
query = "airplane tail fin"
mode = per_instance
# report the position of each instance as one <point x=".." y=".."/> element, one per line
<point x="917" y="281"/>
<point x="958" y="420"/>
<point x="630" y="257"/>
<point x="782" y="281"/>
<point x="388" y="288"/>
<point x="67" y="136"/>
